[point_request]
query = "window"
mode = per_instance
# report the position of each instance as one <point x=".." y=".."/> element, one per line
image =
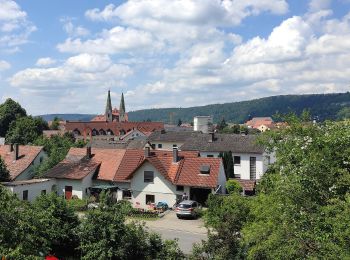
<point x="153" y="146"/>
<point x="25" y="195"/>
<point x="210" y="155"/>
<point x="179" y="188"/>
<point x="43" y="192"/>
<point x="174" y="145"/>
<point x="126" y="194"/>
<point x="150" y="199"/>
<point x="148" y="176"/>
<point x="160" y="146"/>
<point x="236" y="160"/>
<point x="41" y="159"/>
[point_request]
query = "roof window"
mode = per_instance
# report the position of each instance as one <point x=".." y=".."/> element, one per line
<point x="205" y="169"/>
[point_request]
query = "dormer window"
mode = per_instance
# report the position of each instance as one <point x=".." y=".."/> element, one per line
<point x="205" y="169"/>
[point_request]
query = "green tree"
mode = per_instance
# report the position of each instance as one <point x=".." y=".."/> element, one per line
<point x="55" y="123"/>
<point x="9" y="112"/>
<point x="302" y="206"/>
<point x="57" y="148"/>
<point x="222" y="124"/>
<point x="25" y="130"/>
<point x="4" y="173"/>
<point x="179" y="122"/>
<point x="227" y="161"/>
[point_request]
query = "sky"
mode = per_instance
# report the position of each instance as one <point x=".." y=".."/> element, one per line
<point x="62" y="56"/>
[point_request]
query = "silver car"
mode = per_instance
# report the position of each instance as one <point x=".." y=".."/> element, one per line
<point x="188" y="208"/>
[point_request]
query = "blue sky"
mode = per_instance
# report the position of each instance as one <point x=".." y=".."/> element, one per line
<point x="62" y="56"/>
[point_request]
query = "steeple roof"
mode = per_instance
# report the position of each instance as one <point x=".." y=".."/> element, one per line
<point x="122" y="105"/>
<point x="109" y="103"/>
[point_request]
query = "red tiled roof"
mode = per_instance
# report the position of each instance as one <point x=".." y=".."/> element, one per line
<point x="75" y="170"/>
<point x="131" y="160"/>
<point x="190" y="175"/>
<point x="186" y="171"/>
<point x="27" y="155"/>
<point x="110" y="160"/>
<point x="247" y="185"/>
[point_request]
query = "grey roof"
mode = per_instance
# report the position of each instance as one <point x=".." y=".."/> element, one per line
<point x="138" y="143"/>
<point x="172" y="136"/>
<point x="223" y="142"/>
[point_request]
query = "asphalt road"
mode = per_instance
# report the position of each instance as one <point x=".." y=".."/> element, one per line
<point x="187" y="231"/>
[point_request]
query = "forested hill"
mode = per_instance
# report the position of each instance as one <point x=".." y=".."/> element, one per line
<point x="324" y="106"/>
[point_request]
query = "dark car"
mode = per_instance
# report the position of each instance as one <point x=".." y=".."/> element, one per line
<point x="188" y="208"/>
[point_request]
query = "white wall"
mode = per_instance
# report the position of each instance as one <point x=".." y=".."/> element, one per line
<point x="79" y="187"/>
<point x="161" y="188"/>
<point x="29" y="172"/>
<point x="243" y="169"/>
<point x="201" y="123"/>
<point x="34" y="189"/>
<point x="222" y="178"/>
<point x="168" y="146"/>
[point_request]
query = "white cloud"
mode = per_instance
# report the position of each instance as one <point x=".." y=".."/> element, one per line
<point x="72" y="30"/>
<point x="317" y="5"/>
<point x="191" y="12"/>
<point x="117" y="39"/>
<point x="4" y="65"/>
<point x="84" y="70"/>
<point x="15" y="29"/>
<point x="43" y="62"/>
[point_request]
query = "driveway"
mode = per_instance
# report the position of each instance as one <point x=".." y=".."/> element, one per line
<point x="187" y="231"/>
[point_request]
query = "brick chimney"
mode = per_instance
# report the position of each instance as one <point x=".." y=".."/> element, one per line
<point x="16" y="152"/>
<point x="175" y="155"/>
<point x="88" y="151"/>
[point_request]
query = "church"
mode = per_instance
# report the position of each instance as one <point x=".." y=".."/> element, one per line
<point x="113" y="114"/>
<point x="114" y="123"/>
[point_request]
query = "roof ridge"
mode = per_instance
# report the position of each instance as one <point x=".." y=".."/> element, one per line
<point x="179" y="170"/>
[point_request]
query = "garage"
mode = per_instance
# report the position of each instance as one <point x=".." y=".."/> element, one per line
<point x="199" y="194"/>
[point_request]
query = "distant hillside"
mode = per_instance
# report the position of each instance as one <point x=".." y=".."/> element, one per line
<point x="324" y="106"/>
<point x="71" y="117"/>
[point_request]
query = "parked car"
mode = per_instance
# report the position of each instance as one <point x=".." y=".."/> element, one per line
<point x="188" y="208"/>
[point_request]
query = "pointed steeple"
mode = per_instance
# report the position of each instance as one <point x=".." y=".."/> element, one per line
<point x="122" y="109"/>
<point x="108" y="112"/>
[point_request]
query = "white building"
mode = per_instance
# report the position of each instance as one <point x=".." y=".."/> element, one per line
<point x="203" y="124"/>
<point x="250" y="159"/>
<point x="168" y="140"/>
<point x="29" y="190"/>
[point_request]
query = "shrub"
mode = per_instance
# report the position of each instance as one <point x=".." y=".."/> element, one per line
<point x="233" y="186"/>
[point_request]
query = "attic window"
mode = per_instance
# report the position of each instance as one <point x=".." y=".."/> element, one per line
<point x="205" y="169"/>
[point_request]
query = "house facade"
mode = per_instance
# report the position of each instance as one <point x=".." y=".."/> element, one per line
<point x="249" y="158"/>
<point x="29" y="190"/>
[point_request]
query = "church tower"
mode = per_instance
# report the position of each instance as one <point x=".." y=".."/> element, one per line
<point x="108" y="113"/>
<point x="122" y="109"/>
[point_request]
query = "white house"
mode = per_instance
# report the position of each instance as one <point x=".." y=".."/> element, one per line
<point x="250" y="159"/>
<point x="29" y="190"/>
<point x="168" y="140"/>
<point x="203" y="124"/>
<point x="21" y="160"/>
<point x="164" y="178"/>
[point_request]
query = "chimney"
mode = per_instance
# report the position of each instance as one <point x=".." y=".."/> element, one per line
<point x="10" y="147"/>
<point x="175" y="155"/>
<point x="212" y="137"/>
<point x="15" y="154"/>
<point x="147" y="151"/>
<point x="88" y="151"/>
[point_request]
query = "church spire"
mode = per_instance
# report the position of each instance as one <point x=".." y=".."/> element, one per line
<point x="122" y="109"/>
<point x="108" y="112"/>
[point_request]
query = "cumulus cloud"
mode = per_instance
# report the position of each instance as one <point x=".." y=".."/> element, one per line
<point x="14" y="26"/>
<point x="72" y="30"/>
<point x="4" y="65"/>
<point x="115" y="40"/>
<point x="43" y="62"/>
<point x="83" y="70"/>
